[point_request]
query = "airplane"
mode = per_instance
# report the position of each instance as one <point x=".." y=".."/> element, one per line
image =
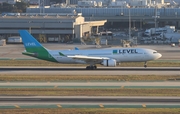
<point x="108" y="57"/>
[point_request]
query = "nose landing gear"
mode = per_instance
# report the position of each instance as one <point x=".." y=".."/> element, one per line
<point x="145" y="64"/>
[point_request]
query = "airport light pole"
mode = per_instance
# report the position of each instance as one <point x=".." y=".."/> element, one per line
<point x="30" y="27"/>
<point x="30" y="30"/>
<point x="140" y="24"/>
<point x="155" y="17"/>
<point x="41" y="6"/>
<point x="129" y="22"/>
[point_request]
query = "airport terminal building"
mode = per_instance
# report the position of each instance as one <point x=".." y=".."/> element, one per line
<point x="47" y="27"/>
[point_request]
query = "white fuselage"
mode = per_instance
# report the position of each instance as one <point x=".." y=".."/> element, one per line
<point x="119" y="54"/>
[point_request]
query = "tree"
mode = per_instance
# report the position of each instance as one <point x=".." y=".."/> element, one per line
<point x="5" y="7"/>
<point x="18" y="7"/>
<point x="21" y="6"/>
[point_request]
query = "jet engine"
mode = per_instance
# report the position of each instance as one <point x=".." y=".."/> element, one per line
<point x="109" y="62"/>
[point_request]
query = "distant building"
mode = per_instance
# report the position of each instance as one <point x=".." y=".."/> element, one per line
<point x="176" y="1"/>
<point x="9" y="1"/>
<point x="158" y="1"/>
<point x="34" y="2"/>
<point x="40" y="2"/>
<point x="49" y="27"/>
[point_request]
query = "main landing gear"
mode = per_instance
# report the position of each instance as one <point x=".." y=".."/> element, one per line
<point x="91" y="67"/>
<point x="145" y="64"/>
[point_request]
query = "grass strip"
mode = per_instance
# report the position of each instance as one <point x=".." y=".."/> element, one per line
<point x="107" y="78"/>
<point x="125" y="64"/>
<point x="89" y="92"/>
<point x="92" y="111"/>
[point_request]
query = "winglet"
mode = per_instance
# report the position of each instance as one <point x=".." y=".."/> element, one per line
<point x="61" y="54"/>
<point x="76" y="48"/>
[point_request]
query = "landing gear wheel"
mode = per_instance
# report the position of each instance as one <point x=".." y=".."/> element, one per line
<point x="95" y="67"/>
<point x="88" y="68"/>
<point x="91" y="67"/>
<point x="145" y="64"/>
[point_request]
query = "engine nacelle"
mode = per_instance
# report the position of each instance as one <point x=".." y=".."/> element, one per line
<point x="109" y="62"/>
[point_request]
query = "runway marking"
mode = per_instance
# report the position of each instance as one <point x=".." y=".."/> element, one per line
<point x="171" y="79"/>
<point x="101" y="105"/>
<point x="17" y="106"/>
<point x="144" y="105"/>
<point x="59" y="106"/>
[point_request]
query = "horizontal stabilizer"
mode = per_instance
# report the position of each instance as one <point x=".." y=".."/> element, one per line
<point x="29" y="54"/>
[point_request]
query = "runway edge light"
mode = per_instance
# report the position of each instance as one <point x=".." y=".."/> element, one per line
<point x="101" y="106"/>
<point x="17" y="106"/>
<point x="59" y="106"/>
<point x="144" y="105"/>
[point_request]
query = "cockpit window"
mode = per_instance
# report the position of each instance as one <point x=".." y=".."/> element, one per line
<point x="155" y="52"/>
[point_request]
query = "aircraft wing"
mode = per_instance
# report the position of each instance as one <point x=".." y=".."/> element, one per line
<point x="89" y="59"/>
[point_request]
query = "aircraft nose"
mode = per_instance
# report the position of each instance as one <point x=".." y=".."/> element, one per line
<point x="158" y="55"/>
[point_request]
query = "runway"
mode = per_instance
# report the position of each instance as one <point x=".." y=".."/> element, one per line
<point x="82" y="71"/>
<point x="91" y="84"/>
<point x="98" y="69"/>
<point x="89" y="101"/>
